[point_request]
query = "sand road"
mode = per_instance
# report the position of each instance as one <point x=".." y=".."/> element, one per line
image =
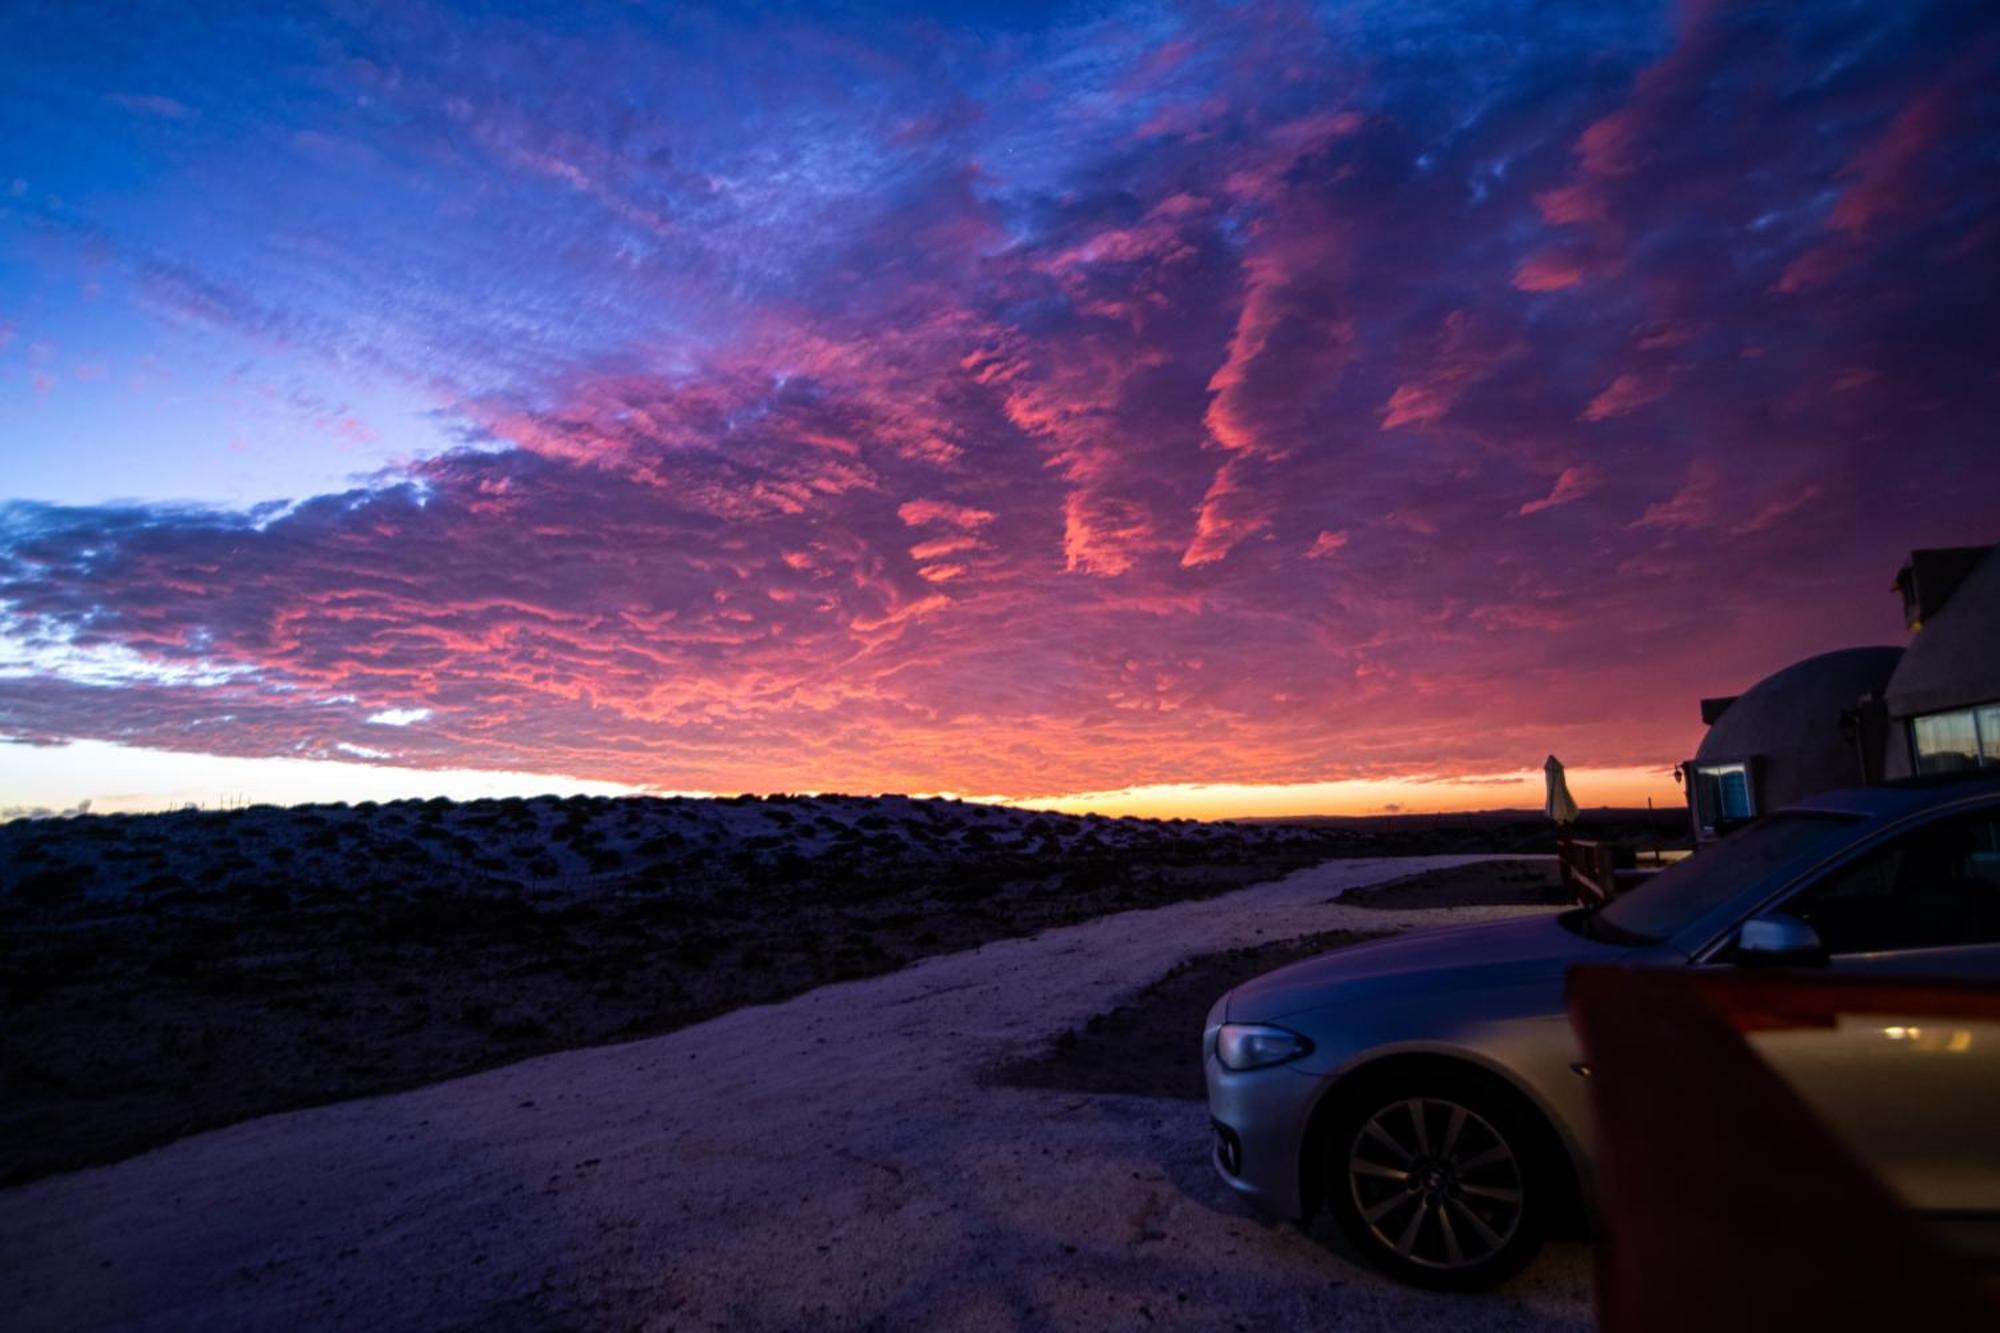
<point x="834" y="1161"/>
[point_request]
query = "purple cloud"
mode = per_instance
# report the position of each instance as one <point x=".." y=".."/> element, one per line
<point x="1143" y="397"/>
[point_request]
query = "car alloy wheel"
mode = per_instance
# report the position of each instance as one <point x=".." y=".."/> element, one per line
<point x="1436" y="1183"/>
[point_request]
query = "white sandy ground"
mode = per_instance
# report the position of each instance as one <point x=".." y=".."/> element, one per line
<point x="834" y="1161"/>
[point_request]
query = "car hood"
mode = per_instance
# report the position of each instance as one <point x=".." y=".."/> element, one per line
<point x="1501" y="953"/>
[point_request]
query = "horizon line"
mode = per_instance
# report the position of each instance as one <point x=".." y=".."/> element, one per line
<point x="153" y="781"/>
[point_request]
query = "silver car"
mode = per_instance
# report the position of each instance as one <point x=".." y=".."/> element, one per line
<point x="1427" y="1089"/>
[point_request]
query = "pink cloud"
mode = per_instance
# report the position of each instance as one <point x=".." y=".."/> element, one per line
<point x="1885" y="183"/>
<point x="1573" y="484"/>
<point x="1570" y="205"/>
<point x="1884" y="174"/>
<point x="943" y="546"/>
<point x="1549" y="271"/>
<point x="1775" y="512"/>
<point x="919" y="513"/>
<point x="1287" y="334"/>
<point x="1056" y="440"/>
<point x="1814" y="268"/>
<point x="1696" y="504"/>
<point x="1326" y="544"/>
<point x="1415" y="405"/>
<point x="1626" y="393"/>
<point x="1460" y="358"/>
<point x="1665" y="334"/>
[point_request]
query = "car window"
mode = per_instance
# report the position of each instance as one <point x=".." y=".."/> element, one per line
<point x="1682" y="894"/>
<point x="1935" y="888"/>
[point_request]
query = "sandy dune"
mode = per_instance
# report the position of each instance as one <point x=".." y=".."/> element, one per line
<point x="832" y="1161"/>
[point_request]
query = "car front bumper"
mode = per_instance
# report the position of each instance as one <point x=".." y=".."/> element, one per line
<point x="1258" y="1128"/>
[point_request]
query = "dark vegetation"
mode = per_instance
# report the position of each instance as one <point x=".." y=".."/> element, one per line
<point x="168" y="973"/>
<point x="1150" y="1046"/>
<point x="1519" y="831"/>
<point x="1485" y="884"/>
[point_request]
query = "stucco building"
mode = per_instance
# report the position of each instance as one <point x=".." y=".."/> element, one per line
<point x="1864" y="715"/>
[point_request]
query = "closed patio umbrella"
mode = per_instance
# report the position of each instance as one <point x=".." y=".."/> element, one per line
<point x="1560" y="806"/>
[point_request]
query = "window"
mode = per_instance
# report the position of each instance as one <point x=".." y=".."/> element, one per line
<point x="1960" y="739"/>
<point x="1732" y="786"/>
<point x="1723" y="797"/>
<point x="1936" y="888"/>
<point x="1945" y="742"/>
<point x="1665" y="904"/>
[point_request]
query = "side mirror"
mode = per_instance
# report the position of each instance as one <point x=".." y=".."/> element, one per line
<point x="1777" y="939"/>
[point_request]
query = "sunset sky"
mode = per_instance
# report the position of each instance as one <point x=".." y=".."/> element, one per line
<point x="1197" y="409"/>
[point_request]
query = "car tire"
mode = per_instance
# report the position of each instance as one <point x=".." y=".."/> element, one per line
<point x="1439" y="1179"/>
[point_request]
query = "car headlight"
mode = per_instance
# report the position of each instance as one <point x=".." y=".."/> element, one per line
<point x="1257" y="1045"/>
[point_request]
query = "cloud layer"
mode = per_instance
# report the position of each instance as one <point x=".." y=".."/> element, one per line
<point x="1189" y="395"/>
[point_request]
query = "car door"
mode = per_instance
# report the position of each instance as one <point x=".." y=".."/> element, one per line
<point x="1916" y="1096"/>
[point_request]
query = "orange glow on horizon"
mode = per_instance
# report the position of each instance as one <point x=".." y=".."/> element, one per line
<point x="1592" y="787"/>
<point x="114" y="778"/>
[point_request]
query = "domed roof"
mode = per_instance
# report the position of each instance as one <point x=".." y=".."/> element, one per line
<point x="1790" y="722"/>
<point x="1954" y="659"/>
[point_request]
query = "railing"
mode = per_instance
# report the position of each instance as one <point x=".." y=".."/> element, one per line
<point x="1589" y="869"/>
<point x="1595" y="872"/>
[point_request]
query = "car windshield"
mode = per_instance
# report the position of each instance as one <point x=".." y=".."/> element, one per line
<point x="1683" y="893"/>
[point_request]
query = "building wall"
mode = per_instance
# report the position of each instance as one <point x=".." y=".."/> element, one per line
<point x="1788" y="726"/>
<point x="1953" y="661"/>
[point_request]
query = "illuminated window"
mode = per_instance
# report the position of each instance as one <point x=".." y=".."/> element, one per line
<point x="1724" y="796"/>
<point x="1733" y="792"/>
<point x="1960" y="739"/>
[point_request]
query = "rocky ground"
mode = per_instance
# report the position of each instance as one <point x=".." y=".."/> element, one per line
<point x="164" y="974"/>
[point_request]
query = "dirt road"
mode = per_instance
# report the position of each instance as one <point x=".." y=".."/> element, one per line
<point x="833" y="1161"/>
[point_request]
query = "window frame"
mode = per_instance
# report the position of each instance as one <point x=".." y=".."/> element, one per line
<point x="1899" y="844"/>
<point x="1715" y="948"/>
<point x="1985" y="747"/>
<point x="1709" y="824"/>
